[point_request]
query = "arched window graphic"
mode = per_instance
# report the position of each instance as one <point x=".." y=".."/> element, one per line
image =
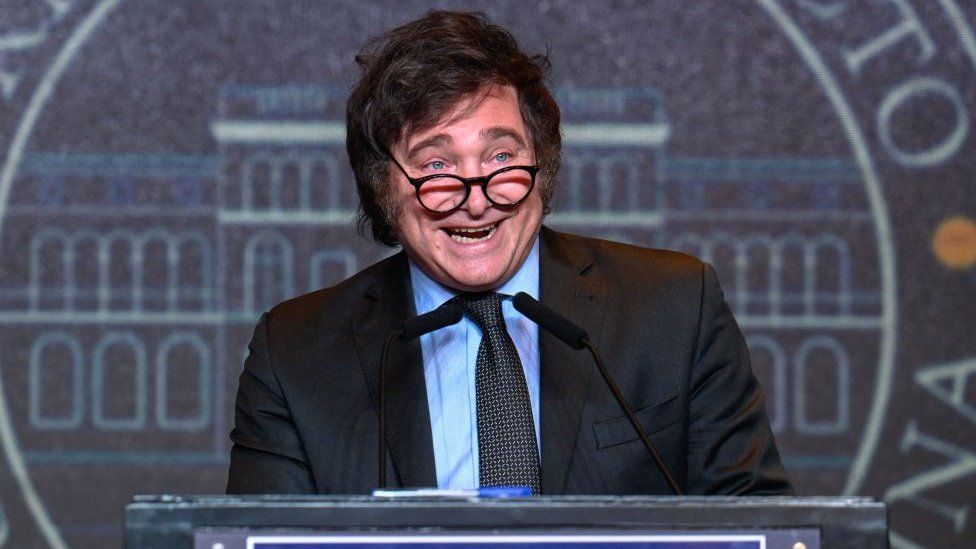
<point x="184" y="383"/>
<point x="328" y="267"/>
<point x="194" y="273"/>
<point x="822" y="363"/>
<point x="327" y="178"/>
<point x="118" y="364"/>
<point x="830" y="275"/>
<point x="288" y="177"/>
<point x="51" y="271"/>
<point x="576" y="172"/>
<point x="294" y="181"/>
<point x="257" y="180"/>
<point x="120" y="271"/>
<point x="788" y="276"/>
<point x="268" y="271"/>
<point x="123" y="281"/>
<point x="69" y="272"/>
<point x="754" y="275"/>
<point x="770" y="364"/>
<point x="90" y="271"/>
<point x="158" y="261"/>
<point x="609" y="182"/>
<point x="56" y="382"/>
<point x="619" y="181"/>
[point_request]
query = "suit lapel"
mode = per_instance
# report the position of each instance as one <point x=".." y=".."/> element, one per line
<point x="387" y="303"/>
<point x="569" y="286"/>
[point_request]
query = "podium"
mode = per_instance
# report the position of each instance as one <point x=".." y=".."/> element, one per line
<point x="289" y="522"/>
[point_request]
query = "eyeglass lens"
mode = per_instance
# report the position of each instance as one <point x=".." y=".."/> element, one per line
<point x="504" y="188"/>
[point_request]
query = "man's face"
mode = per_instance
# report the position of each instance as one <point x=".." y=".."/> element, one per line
<point x="478" y="246"/>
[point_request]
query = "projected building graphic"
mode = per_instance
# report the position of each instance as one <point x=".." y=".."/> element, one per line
<point x="149" y="271"/>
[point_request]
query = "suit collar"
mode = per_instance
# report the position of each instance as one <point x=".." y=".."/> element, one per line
<point x="387" y="302"/>
<point x="571" y="286"/>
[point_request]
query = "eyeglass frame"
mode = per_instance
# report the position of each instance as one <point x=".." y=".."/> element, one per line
<point x="467" y="182"/>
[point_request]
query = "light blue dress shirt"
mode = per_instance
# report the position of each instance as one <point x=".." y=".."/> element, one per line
<point x="449" y="370"/>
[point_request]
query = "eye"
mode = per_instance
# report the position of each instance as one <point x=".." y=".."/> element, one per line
<point x="437" y="165"/>
<point x="503" y="157"/>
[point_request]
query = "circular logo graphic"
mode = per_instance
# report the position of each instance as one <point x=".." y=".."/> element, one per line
<point x="173" y="169"/>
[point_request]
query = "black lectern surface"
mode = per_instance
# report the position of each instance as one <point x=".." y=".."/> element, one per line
<point x="278" y="522"/>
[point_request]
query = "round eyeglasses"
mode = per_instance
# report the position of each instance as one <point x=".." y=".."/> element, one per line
<point x="444" y="193"/>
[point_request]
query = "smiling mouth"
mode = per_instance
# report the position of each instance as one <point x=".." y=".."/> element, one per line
<point x="469" y="236"/>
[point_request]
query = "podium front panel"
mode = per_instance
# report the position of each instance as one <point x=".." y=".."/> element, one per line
<point x="278" y="522"/>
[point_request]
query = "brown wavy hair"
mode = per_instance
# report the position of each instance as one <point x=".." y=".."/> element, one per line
<point x="414" y="75"/>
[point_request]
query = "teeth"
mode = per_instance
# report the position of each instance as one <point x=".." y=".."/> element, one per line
<point x="478" y="230"/>
<point x="477" y="235"/>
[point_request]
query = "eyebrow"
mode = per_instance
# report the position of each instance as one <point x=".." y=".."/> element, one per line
<point x="495" y="133"/>
<point x="432" y="141"/>
<point x="489" y="134"/>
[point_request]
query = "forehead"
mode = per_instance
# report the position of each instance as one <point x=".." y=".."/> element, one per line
<point x="491" y="114"/>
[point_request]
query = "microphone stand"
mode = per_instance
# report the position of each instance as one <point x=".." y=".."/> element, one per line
<point x="447" y="314"/>
<point x="395" y="334"/>
<point x="577" y="338"/>
<point x="651" y="449"/>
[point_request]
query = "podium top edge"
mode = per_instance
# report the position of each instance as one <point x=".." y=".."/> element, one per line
<point x="315" y="501"/>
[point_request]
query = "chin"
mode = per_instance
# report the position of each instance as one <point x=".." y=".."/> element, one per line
<point x="474" y="286"/>
<point x="477" y="284"/>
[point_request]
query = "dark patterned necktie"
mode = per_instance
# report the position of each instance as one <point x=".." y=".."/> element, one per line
<point x="507" y="448"/>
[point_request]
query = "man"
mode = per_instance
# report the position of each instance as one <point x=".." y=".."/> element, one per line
<point x="454" y="142"/>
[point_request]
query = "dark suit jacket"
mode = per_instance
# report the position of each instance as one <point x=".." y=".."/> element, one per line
<point x="306" y="419"/>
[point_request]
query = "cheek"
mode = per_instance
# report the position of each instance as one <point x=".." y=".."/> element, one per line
<point x="395" y="203"/>
<point x="411" y="225"/>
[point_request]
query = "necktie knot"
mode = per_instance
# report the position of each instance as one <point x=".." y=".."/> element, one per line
<point x="485" y="309"/>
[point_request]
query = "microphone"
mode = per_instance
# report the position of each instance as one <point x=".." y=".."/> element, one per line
<point x="447" y="314"/>
<point x="577" y="338"/>
<point x="553" y="322"/>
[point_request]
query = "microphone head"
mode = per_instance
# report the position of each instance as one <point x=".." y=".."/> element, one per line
<point x="447" y="314"/>
<point x="553" y="322"/>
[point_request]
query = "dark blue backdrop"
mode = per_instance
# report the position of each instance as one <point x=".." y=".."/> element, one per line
<point x="172" y="168"/>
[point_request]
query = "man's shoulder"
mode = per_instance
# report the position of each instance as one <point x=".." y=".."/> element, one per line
<point x="620" y="259"/>
<point x="342" y="299"/>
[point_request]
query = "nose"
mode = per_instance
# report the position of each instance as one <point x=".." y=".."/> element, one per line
<point x="477" y="202"/>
